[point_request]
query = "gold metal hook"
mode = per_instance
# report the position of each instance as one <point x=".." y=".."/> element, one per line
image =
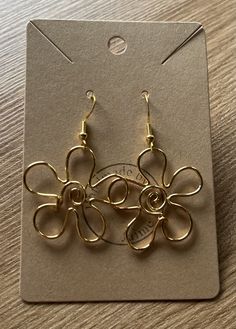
<point x="145" y="95"/>
<point x="83" y="134"/>
<point x="150" y="137"/>
<point x="90" y="94"/>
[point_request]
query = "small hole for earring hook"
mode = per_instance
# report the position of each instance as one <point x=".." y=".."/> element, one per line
<point x="117" y="45"/>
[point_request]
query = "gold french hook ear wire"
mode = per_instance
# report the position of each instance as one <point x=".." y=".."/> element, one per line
<point x="83" y="134"/>
<point x="150" y="137"/>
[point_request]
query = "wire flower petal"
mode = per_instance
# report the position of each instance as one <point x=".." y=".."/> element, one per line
<point x="75" y="160"/>
<point x="37" y="167"/>
<point x="178" y="222"/>
<point x="183" y="178"/>
<point x="140" y="236"/>
<point x="161" y="164"/>
<point x="44" y="213"/>
<point x="90" y="226"/>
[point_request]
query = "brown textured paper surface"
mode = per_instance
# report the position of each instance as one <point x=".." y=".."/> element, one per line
<point x="64" y="60"/>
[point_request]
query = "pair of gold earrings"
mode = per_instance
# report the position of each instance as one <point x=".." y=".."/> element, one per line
<point x="154" y="200"/>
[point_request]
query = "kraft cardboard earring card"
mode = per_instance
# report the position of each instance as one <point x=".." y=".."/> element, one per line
<point x="118" y="196"/>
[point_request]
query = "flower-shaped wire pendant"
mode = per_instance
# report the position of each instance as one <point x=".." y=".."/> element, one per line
<point x="155" y="200"/>
<point x="73" y="197"/>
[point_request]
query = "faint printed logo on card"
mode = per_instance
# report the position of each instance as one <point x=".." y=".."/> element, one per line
<point x="117" y="220"/>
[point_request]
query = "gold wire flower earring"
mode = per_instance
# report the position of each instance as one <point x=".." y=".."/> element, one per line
<point x="73" y="198"/>
<point x="155" y="200"/>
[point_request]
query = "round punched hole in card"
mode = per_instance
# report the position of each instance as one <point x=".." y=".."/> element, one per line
<point x="117" y="45"/>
